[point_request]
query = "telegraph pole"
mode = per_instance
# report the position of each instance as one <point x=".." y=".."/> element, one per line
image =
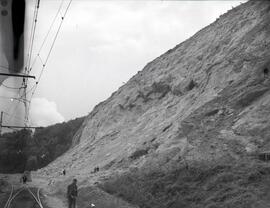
<point x="1" y="122"/>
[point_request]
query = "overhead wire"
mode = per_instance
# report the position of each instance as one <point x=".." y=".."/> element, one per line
<point x="47" y="35"/>
<point x="13" y="98"/>
<point x="15" y="117"/>
<point x="48" y="55"/>
<point x="30" y="48"/>
<point x="31" y="44"/>
<point x="57" y="33"/>
<point x="12" y="88"/>
<point x="4" y="67"/>
<point x="21" y="97"/>
<point x="30" y="40"/>
<point x="15" y="107"/>
<point x="29" y="65"/>
<point x="50" y="51"/>
<point x="32" y="35"/>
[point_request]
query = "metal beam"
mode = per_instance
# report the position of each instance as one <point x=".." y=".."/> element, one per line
<point x="22" y="127"/>
<point x="17" y="75"/>
<point x="1" y="121"/>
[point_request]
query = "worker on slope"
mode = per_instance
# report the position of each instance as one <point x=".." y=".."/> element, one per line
<point x="72" y="193"/>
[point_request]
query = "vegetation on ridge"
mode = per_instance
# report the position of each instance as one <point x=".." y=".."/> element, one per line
<point x="20" y="150"/>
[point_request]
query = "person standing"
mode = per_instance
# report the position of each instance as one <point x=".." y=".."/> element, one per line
<point x="72" y="193"/>
<point x="23" y="178"/>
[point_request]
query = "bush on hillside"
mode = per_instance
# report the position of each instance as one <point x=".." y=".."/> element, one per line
<point x="238" y="184"/>
<point x="45" y="145"/>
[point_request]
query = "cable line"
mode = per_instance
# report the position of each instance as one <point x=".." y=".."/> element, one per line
<point x="48" y="56"/>
<point x="31" y="44"/>
<point x="4" y="67"/>
<point x="12" y="88"/>
<point x="16" y="117"/>
<point x="23" y="91"/>
<point x="33" y="35"/>
<point x="13" y="98"/>
<point x="47" y="35"/>
<point x="62" y="20"/>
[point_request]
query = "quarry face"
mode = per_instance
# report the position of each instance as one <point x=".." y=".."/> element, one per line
<point x="206" y="99"/>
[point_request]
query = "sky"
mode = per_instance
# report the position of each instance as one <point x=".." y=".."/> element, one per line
<point x="100" y="46"/>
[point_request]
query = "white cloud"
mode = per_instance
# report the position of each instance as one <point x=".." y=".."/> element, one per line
<point x="44" y="112"/>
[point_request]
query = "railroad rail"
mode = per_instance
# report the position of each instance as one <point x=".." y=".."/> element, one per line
<point x="13" y="195"/>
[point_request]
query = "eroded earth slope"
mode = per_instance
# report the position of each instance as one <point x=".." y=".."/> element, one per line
<point x="204" y="101"/>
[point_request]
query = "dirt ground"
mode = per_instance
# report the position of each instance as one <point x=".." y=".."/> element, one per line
<point x="53" y="194"/>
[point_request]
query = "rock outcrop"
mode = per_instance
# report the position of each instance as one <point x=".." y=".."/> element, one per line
<point x="206" y="99"/>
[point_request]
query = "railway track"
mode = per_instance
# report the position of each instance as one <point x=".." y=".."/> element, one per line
<point x="14" y="194"/>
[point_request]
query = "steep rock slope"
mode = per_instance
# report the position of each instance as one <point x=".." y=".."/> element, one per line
<point x="206" y="99"/>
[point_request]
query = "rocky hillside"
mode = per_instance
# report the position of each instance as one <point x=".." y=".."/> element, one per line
<point x="206" y="101"/>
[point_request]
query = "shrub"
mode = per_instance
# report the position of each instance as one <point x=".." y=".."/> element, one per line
<point x="233" y="184"/>
<point x="190" y="85"/>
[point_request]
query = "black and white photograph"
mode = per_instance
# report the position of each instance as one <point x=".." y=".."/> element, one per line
<point x="134" y="103"/>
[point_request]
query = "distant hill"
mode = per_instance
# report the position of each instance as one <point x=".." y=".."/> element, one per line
<point x="22" y="150"/>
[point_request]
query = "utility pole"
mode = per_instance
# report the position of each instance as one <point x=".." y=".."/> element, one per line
<point x="22" y="127"/>
<point x="1" y="122"/>
<point x="25" y="102"/>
